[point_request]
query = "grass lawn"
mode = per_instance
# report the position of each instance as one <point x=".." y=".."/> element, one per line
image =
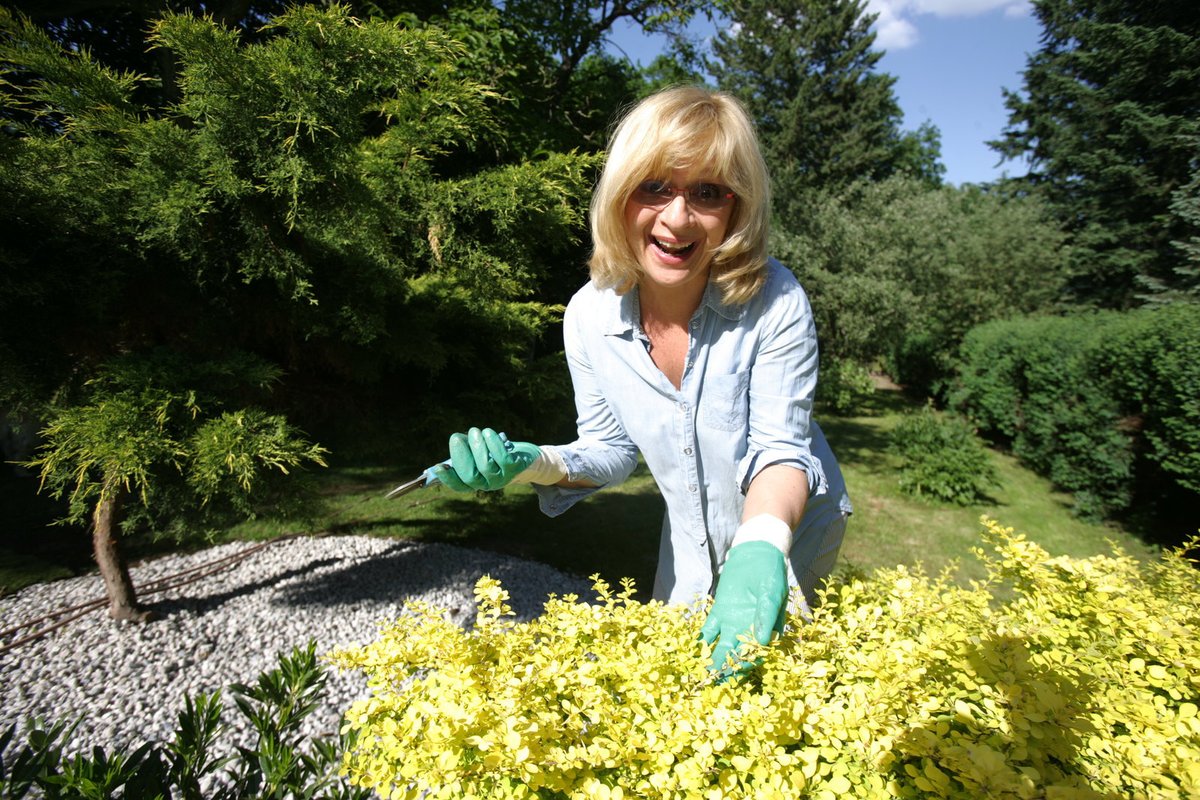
<point x="889" y="527"/>
<point x="616" y="532"/>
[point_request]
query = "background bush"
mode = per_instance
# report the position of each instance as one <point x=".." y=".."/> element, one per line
<point x="941" y="458"/>
<point x="1029" y="384"/>
<point x="845" y="387"/>
<point x="1153" y="360"/>
<point x="1103" y="404"/>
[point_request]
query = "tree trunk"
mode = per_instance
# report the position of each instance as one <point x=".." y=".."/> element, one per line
<point x="122" y="600"/>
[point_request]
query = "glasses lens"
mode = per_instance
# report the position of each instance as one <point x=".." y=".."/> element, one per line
<point x="653" y="193"/>
<point x="709" y="196"/>
<point x="704" y="196"/>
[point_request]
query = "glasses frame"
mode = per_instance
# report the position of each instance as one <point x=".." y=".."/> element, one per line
<point x="660" y="194"/>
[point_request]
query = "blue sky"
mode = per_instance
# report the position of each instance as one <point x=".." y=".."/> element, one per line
<point x="951" y="59"/>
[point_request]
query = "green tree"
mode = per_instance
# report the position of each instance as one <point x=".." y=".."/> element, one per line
<point x="827" y="118"/>
<point x="1108" y="105"/>
<point x="899" y="272"/>
<point x="137" y="430"/>
<point x="1185" y="204"/>
<point x="546" y="60"/>
<point x="556" y="88"/>
<point x="293" y="210"/>
<point x="114" y="31"/>
<point x="573" y="31"/>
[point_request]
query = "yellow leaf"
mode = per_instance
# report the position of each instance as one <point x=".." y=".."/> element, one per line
<point x="839" y="784"/>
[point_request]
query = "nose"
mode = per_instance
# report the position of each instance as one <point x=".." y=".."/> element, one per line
<point x="677" y="212"/>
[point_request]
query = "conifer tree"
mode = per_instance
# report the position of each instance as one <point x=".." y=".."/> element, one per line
<point x="281" y="242"/>
<point x="806" y="70"/>
<point x="1108" y="104"/>
<point x="1185" y="204"/>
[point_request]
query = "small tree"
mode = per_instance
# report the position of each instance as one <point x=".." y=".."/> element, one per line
<point x="941" y="458"/>
<point x="127" y="442"/>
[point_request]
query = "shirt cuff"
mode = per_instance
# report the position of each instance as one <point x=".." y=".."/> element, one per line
<point x="756" y="461"/>
<point x="602" y="466"/>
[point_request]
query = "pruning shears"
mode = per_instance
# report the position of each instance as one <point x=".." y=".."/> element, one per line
<point x="428" y="478"/>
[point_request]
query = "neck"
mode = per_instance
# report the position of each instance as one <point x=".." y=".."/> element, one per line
<point x="668" y="308"/>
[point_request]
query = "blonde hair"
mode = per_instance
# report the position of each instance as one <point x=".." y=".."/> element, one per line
<point x="681" y="128"/>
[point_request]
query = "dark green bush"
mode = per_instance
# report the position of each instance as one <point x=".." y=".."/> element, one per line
<point x="1153" y="361"/>
<point x="941" y="458"/>
<point x="196" y="765"/>
<point x="844" y="387"/>
<point x="923" y="363"/>
<point x="1099" y="403"/>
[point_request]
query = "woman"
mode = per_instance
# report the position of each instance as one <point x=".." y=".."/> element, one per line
<point x="691" y="346"/>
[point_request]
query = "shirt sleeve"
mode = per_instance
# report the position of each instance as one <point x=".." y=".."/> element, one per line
<point x="603" y="452"/>
<point x="783" y="380"/>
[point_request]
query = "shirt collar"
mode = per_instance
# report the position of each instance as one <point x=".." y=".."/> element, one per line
<point x="624" y="312"/>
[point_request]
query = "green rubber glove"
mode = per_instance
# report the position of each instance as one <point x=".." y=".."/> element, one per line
<point x="751" y="598"/>
<point x="484" y="459"/>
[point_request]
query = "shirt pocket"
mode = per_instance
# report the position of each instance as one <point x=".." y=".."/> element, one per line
<point x="724" y="402"/>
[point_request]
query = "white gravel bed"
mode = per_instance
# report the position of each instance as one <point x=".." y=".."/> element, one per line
<point x="128" y="680"/>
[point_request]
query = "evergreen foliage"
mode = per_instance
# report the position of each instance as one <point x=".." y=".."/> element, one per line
<point x="827" y="118"/>
<point x="288" y="208"/>
<point x="292" y="204"/>
<point x="1109" y="105"/>
<point x="1185" y="204"/>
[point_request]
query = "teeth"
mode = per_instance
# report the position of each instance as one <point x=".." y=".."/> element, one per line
<point x="673" y="249"/>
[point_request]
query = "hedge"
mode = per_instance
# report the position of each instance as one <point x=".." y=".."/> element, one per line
<point x="1055" y="678"/>
<point x="1099" y="403"/>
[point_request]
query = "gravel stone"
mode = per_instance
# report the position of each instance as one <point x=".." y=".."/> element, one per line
<point x="127" y="681"/>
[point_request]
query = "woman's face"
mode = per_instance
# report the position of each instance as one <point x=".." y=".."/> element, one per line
<point x="674" y="236"/>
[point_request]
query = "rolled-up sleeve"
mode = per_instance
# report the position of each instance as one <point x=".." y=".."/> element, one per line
<point x="783" y="379"/>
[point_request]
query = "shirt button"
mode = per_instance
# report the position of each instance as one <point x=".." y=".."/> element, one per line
<point x="687" y="451"/>
<point x="692" y="488"/>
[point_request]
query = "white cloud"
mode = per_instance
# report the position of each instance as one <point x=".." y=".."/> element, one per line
<point x="896" y="26"/>
<point x="892" y="32"/>
<point x="963" y="8"/>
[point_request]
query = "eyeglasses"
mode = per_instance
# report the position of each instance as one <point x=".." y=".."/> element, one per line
<point x="700" y="196"/>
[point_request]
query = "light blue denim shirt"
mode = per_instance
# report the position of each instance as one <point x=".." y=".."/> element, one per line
<point x="744" y="403"/>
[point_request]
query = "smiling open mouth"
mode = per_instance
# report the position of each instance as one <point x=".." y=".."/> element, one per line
<point x="673" y="249"/>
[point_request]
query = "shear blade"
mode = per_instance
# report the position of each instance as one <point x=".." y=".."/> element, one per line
<point x="405" y="488"/>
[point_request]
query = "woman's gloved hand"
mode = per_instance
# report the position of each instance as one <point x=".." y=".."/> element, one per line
<point x="482" y="459"/>
<point x="751" y="600"/>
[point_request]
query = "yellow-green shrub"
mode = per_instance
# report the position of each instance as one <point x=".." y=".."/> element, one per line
<point x="1056" y="678"/>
